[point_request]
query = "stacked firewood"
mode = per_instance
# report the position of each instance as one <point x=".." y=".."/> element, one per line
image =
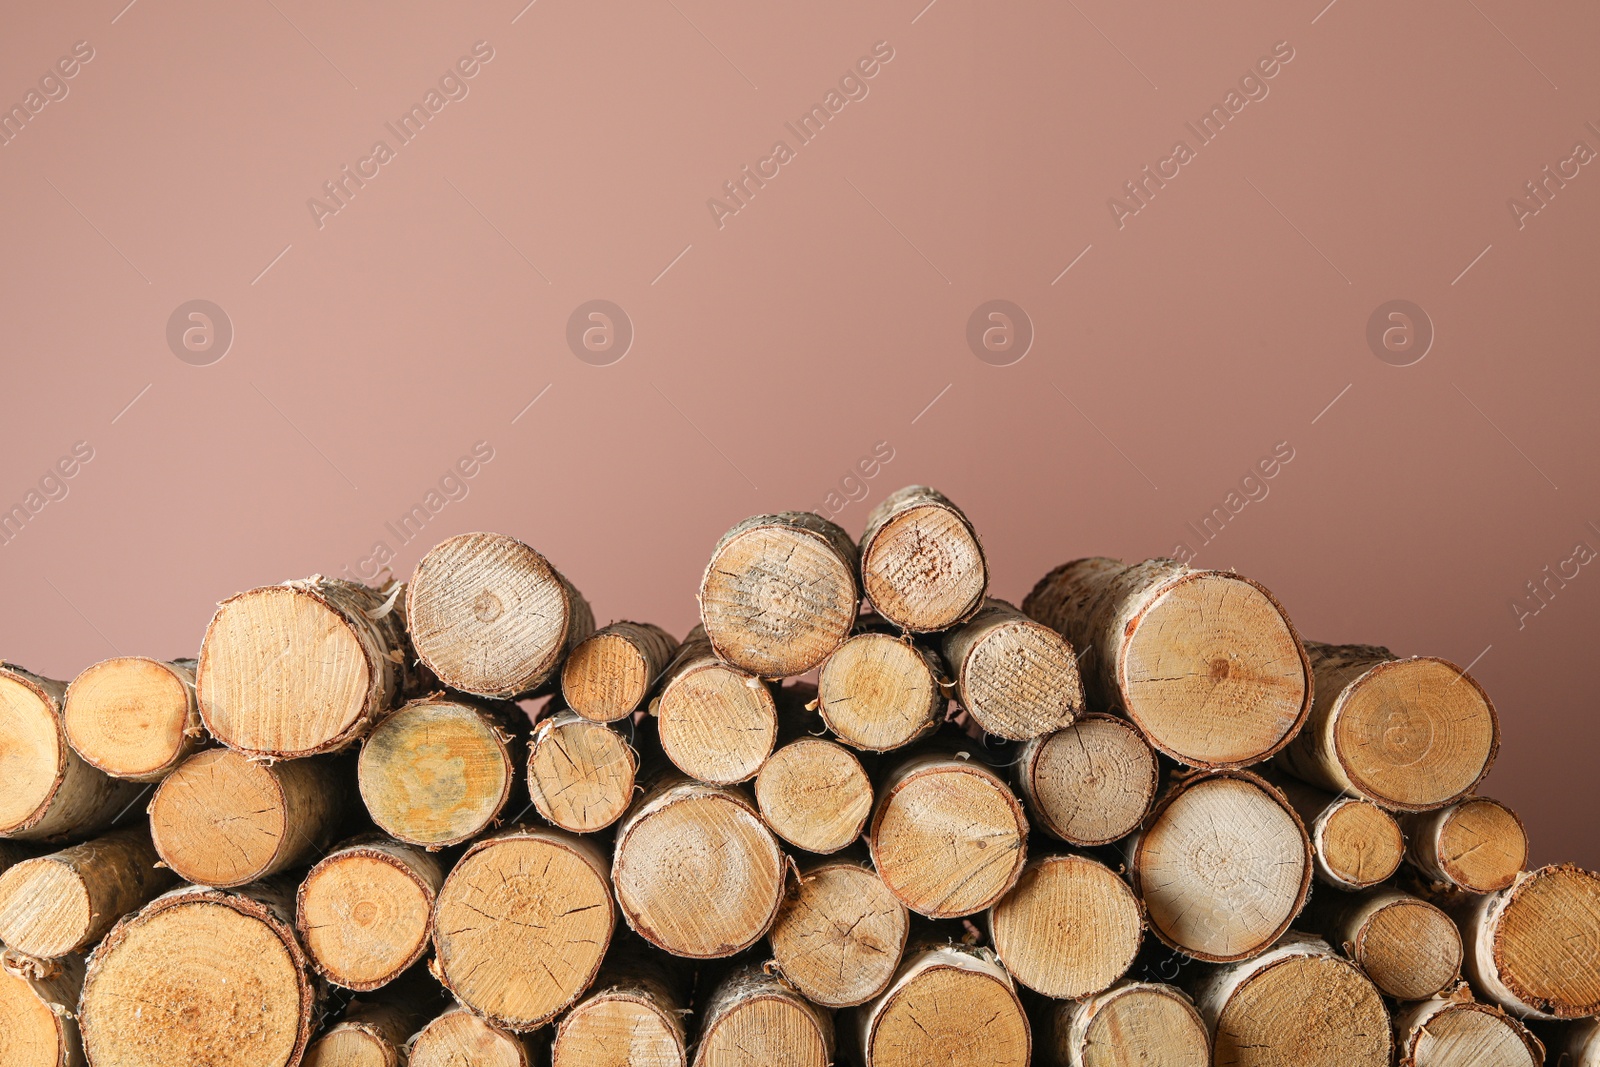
<point x="864" y="813"/>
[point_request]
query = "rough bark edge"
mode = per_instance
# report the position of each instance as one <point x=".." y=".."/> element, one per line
<point x="411" y="861"/>
<point x="126" y="861"/>
<point x="58" y="984"/>
<point x="1317" y="810"/>
<point x="522" y="1042"/>
<point x="1424" y="840"/>
<point x="656" y="649"/>
<point x="1484" y="964"/>
<point x="194" y="731"/>
<point x="892" y="507"/>
<point x="1027" y="773"/>
<point x="637" y="980"/>
<point x="696" y="654"/>
<point x="961" y="643"/>
<point x="541" y="733"/>
<point x="953" y="957"/>
<point x="938" y="700"/>
<point x="748" y="985"/>
<point x="1074" y="1018"/>
<point x="1413" y="1018"/>
<point x="859" y="861"/>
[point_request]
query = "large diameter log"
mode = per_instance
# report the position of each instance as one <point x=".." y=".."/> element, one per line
<point x="879" y="692"/>
<point x="1410" y="734"/>
<point x="1355" y="842"/>
<point x="697" y="872"/>
<point x="840" y="934"/>
<point x="134" y="717"/>
<point x="922" y="565"/>
<point x="60" y="903"/>
<point x="780" y="594"/>
<point x="1205" y="662"/>
<point x="363" y="911"/>
<point x="459" y="1038"/>
<point x="752" y="1017"/>
<point x="37" y="999"/>
<point x="1534" y="948"/>
<point x="522" y="924"/>
<point x="1070" y="928"/>
<point x="1408" y="947"/>
<point x="610" y="672"/>
<point x="50" y="792"/>
<point x="718" y="723"/>
<point x="1016" y="677"/>
<point x="1132" y="1024"/>
<point x="951" y="1005"/>
<point x="814" y="794"/>
<point x="1456" y="1031"/>
<point x="200" y="976"/>
<point x="1090" y="783"/>
<point x="304" y="667"/>
<point x="224" y="820"/>
<point x="1223" y="866"/>
<point x="580" y="772"/>
<point x="633" y="1016"/>
<point x="1476" y="844"/>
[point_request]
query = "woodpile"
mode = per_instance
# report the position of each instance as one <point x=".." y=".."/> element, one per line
<point x="866" y="812"/>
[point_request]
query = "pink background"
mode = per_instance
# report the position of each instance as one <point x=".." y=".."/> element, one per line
<point x="775" y="352"/>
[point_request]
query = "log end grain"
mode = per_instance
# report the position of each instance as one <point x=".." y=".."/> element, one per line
<point x="580" y="773"/>
<point x="363" y="912"/>
<point x="1018" y="678"/>
<point x="1450" y="1032"/>
<point x="717" y="722"/>
<point x="814" y="794"/>
<point x="947" y="1005"/>
<point x="460" y="1039"/>
<point x="620" y="1028"/>
<point x="754" y="1018"/>
<point x="1476" y="844"/>
<point x="133" y="717"/>
<point x="1409" y="948"/>
<point x="1358" y="844"/>
<point x="922" y="566"/>
<point x="37" y="999"/>
<point x="56" y="904"/>
<point x="1543" y="945"/>
<point x="610" y="672"/>
<point x="435" y="772"/>
<point x="840" y="934"/>
<point x="878" y="692"/>
<point x="1070" y="928"/>
<point x="351" y="1047"/>
<point x="1091" y="783"/>
<point x="1133" y="1024"/>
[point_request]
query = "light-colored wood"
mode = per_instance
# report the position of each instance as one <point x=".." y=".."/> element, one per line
<point x="1016" y="677"/>
<point x="60" y="903"/>
<point x="459" y="1038"/>
<point x="697" y="872"/>
<point x="580" y="772"/>
<point x="949" y="1005"/>
<point x="1223" y="866"/>
<point x="1476" y="844"/>
<point x="1534" y="948"/>
<point x="1132" y="1024"/>
<point x="633" y="1016"/>
<point x="780" y="593"/>
<point x="755" y="1018"/>
<point x="610" y="672"/>
<point x="1355" y="843"/>
<point x="374" y="1033"/>
<point x="522" y="924"/>
<point x="303" y="668"/>
<point x="155" y="994"/>
<point x="437" y="771"/>
<point x="1411" y="734"/>
<point x="37" y="1000"/>
<point x="1090" y="783"/>
<point x="840" y="934"/>
<point x="879" y="692"/>
<point x="1456" y="1031"/>
<point x="491" y="616"/>
<point x="1408" y="947"/>
<point x="718" y="723"/>
<point x="133" y="717"/>
<point x="1069" y="929"/>
<point x="363" y="911"/>
<point x="224" y="820"/>
<point x="814" y="794"/>
<point x="1205" y="662"/>
<point x="922" y="565"/>
<point x="50" y="793"/>
<point x="1580" y="1045"/>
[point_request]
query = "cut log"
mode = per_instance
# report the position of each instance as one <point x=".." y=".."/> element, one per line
<point x="840" y="934"/>
<point x="580" y="773"/>
<point x="1069" y="929"/>
<point x="374" y="1033"/>
<point x="610" y="672"/>
<point x="814" y="794"/>
<point x="437" y="771"/>
<point x="1223" y="866"/>
<point x="304" y="667"/>
<point x="752" y="1018"/>
<point x="154" y="994"/>
<point x="1580" y="1045"/>
<point x="459" y="1038"/>
<point x="37" y="999"/>
<point x="1132" y="1024"/>
<point x="1534" y="948"/>
<point x="780" y="594"/>
<point x="1456" y="1031"/>
<point x="879" y="692"/>
<point x="522" y="924"/>
<point x="1356" y="843"/>
<point x="632" y="1016"/>
<point x="1410" y="949"/>
<point x="491" y="616"/>
<point x="224" y="820"/>
<point x="1205" y="662"/>
<point x="363" y="911"/>
<point x="1296" y="1005"/>
<point x="950" y="1005"/>
<point x="948" y="837"/>
<point x="1090" y="783"/>
<point x="718" y="723"/>
<point x="1475" y="844"/>
<point x="697" y="872"/>
<point x="1411" y="734"/>
<point x="50" y="793"/>
<point x="133" y="717"/>
<point x="1016" y="677"/>
<point x="56" y="904"/>
<point x="922" y="565"/>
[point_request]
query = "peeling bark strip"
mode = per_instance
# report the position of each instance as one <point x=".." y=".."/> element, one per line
<point x="1090" y="783"/>
<point x="1476" y="844"/>
<point x="633" y="1016"/>
<point x="1069" y="929"/>
<point x="37" y="998"/>
<point x="610" y="672"/>
<point x="363" y="911"/>
<point x="718" y="723"/>
<point x="878" y="692"/>
<point x="133" y="717"/>
<point x="459" y="1037"/>
<point x="61" y="903"/>
<point x="1409" y="734"/>
<point x="1206" y="663"/>
<point x="1534" y="948"/>
<point x="841" y="933"/>
<point x="922" y="565"/>
<point x="1017" y="678"/>
<point x="1132" y="1024"/>
<point x="1355" y="843"/>
<point x="949" y="1004"/>
<point x="815" y="795"/>
<point x="1410" y="949"/>
<point x="580" y="773"/>
<point x="752" y="1017"/>
<point x="1448" y="1031"/>
<point x="491" y="616"/>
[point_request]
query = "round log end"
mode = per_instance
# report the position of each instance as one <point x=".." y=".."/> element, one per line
<point x="458" y="1038"/>
<point x="132" y="717"/>
<point x="1410" y="949"/>
<point x="1360" y="844"/>
<point x="1134" y="1024"/>
<point x="1091" y="783"/>
<point x="717" y="723"/>
<point x="947" y="1006"/>
<point x="814" y="794"/>
<point x="221" y="819"/>
<point x="1304" y="1010"/>
<point x="1069" y="929"/>
<point x="878" y="692"/>
<point x="840" y="935"/>
<point x="610" y="672"/>
<point x="580" y="773"/>
<point x="1481" y="845"/>
<point x="33" y="751"/>
<point x="618" y="1029"/>
<point x="922" y="567"/>
<point x="435" y="772"/>
<point x="1018" y="678"/>
<point x="363" y="914"/>
<point x="1546" y="941"/>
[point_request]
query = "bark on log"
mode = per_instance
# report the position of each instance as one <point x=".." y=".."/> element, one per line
<point x="752" y="1018"/>
<point x="1534" y="948"/>
<point x="951" y="1005"/>
<point x="374" y="1032"/>
<point x="363" y="911"/>
<point x="1090" y="783"/>
<point x="1132" y="1024"/>
<point x="459" y="1038"/>
<point x="1069" y="929"/>
<point x="1410" y="734"/>
<point x="840" y="935"/>
<point x="57" y="904"/>
<point x="814" y="794"/>
<point x="37" y="998"/>
<point x="1408" y="947"/>
<point x="922" y="565"/>
<point x="1016" y="677"/>
<point x="718" y="723"/>
<point x="1205" y="662"/>
<point x="1580" y="1045"/>
<point x="133" y="717"/>
<point x="1355" y="843"/>
<point x="632" y="1016"/>
<point x="580" y="772"/>
<point x="1456" y="1031"/>
<point x="780" y="593"/>
<point x="879" y="692"/>
<point x="1476" y="844"/>
<point x="610" y="672"/>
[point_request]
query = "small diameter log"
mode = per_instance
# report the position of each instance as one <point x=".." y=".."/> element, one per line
<point x="302" y="668"/>
<point x="50" y="792"/>
<point x="922" y="565"/>
<point x="1090" y="783"/>
<point x="370" y="1033"/>
<point x="63" y="902"/>
<point x="1069" y="929"/>
<point x="1205" y="662"/>
<point x="459" y="1038"/>
<point x="780" y="594"/>
<point x="1356" y="843"/>
<point x="491" y="616"/>
<point x="134" y="717"/>
<point x="947" y="836"/>
<point x="1017" y="678"/>
<point x="580" y="773"/>
<point x="1534" y="948"/>
<point x="437" y="771"/>
<point x="363" y="911"/>
<point x="1456" y="1031"/>
<point x="521" y="925"/>
<point x="718" y="723"/>
<point x="1410" y="734"/>
<point x="840" y="934"/>
<point x="1223" y="866"/>
<point x="753" y="1018"/>
<point x="224" y="820"/>
<point x="697" y="873"/>
<point x="814" y="794"/>
<point x="1410" y="949"/>
<point x="200" y="976"/>
<point x="1475" y="844"/>
<point x="37" y="1000"/>
<point x="632" y="1017"/>
<point x="610" y="672"/>
<point x="879" y="692"/>
<point x="1580" y="1045"/>
<point x="951" y="1005"/>
<point x="1132" y="1024"/>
